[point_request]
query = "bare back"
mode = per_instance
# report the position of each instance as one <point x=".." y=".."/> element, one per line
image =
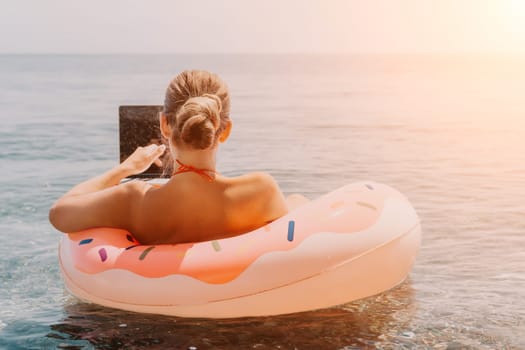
<point x="189" y="209"/>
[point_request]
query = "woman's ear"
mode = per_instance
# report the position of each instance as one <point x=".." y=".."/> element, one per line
<point x="226" y="132"/>
<point x="165" y="128"/>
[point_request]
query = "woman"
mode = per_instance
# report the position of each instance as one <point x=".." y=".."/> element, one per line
<point x="197" y="203"/>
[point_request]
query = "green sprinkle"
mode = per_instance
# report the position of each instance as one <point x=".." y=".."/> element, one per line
<point x="145" y="252"/>
<point x="216" y="246"/>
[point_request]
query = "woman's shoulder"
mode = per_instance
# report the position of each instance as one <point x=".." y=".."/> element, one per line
<point x="257" y="178"/>
<point x="258" y="193"/>
<point x="253" y="182"/>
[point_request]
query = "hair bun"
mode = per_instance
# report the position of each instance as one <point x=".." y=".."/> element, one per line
<point x="197" y="108"/>
<point x="199" y="119"/>
<point x="213" y="109"/>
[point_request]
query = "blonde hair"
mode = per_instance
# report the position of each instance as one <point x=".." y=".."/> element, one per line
<point x="197" y="107"/>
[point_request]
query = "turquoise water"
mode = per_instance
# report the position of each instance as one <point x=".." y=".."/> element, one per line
<point x="448" y="131"/>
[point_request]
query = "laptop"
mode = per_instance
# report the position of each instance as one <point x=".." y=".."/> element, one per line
<point x="139" y="126"/>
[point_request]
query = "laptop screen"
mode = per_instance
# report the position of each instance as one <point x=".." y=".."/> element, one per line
<point x="139" y="126"/>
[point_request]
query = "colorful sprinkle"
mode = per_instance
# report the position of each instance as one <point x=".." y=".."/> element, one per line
<point x="145" y="252"/>
<point x="369" y="187"/>
<point x="103" y="254"/>
<point x="132" y="246"/>
<point x="129" y="238"/>
<point x="267" y="228"/>
<point x="85" y="241"/>
<point x="366" y="205"/>
<point x="216" y="246"/>
<point x="291" y="227"/>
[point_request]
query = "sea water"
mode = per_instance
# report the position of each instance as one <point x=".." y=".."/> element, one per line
<point x="447" y="131"/>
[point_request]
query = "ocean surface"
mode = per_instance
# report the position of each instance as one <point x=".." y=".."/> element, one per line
<point x="447" y="131"/>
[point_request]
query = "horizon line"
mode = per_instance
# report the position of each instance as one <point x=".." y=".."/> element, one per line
<point x="393" y="53"/>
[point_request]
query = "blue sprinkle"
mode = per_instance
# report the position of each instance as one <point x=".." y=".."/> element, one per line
<point x="291" y="227"/>
<point x="369" y="187"/>
<point x="85" y="241"/>
<point x="132" y="246"/>
<point x="129" y="238"/>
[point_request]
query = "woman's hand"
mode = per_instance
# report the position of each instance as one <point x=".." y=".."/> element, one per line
<point x="142" y="158"/>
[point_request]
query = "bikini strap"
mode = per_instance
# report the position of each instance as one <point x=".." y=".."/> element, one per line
<point x="183" y="168"/>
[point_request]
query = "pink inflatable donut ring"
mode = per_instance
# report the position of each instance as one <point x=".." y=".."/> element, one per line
<point x="357" y="241"/>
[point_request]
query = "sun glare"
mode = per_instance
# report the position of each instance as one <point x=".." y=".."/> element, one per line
<point x="512" y="19"/>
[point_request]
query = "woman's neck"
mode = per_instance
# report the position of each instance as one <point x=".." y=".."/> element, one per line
<point x="201" y="159"/>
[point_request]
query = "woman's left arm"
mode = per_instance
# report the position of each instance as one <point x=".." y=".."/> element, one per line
<point x="100" y="202"/>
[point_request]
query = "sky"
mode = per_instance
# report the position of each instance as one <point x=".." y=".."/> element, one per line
<point x="264" y="26"/>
